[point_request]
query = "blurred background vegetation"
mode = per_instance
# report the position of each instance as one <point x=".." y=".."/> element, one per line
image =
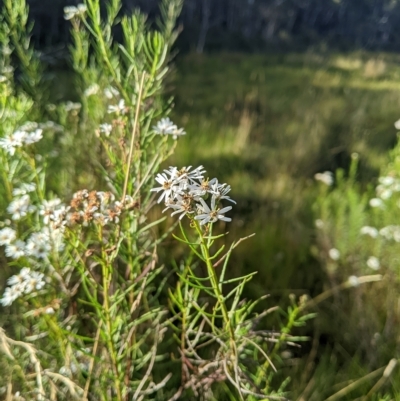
<point x="272" y="92"/>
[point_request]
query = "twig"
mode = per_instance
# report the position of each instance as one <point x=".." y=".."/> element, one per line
<point x="232" y="248"/>
<point x="96" y="343"/>
<point x="132" y="144"/>
<point x="34" y="360"/>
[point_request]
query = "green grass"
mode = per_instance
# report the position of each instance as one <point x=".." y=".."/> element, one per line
<point x="266" y="124"/>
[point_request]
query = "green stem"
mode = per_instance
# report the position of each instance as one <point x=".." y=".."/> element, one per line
<point x="106" y="305"/>
<point x="286" y="330"/>
<point x="215" y="285"/>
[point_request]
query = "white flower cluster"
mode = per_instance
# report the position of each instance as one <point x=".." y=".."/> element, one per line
<point x="387" y="187"/>
<point x="119" y="108"/>
<point x="38" y="245"/>
<point x="368" y="230"/>
<point x="72" y="11"/>
<point x="166" y="127"/>
<point x="390" y="233"/>
<point x="21" y="205"/>
<point x="326" y="177"/>
<point x="20" y="138"/>
<point x="185" y="191"/>
<point x="25" y="282"/>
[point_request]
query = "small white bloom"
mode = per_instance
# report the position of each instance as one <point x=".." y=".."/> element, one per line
<point x="34" y="136"/>
<point x="15" y="250"/>
<point x="110" y="92"/>
<point x="373" y="263"/>
<point x="386" y="194"/>
<point x="397" y="124"/>
<point x="34" y="282"/>
<point x="354" y="281"/>
<point x="7" y="236"/>
<point x="119" y="108"/>
<point x="164" y="127"/>
<point x="168" y="186"/>
<point x="24" y="189"/>
<point x="29" y="126"/>
<point x="10" y="295"/>
<point x="106" y="129"/>
<point x="71" y="106"/>
<point x="391" y="232"/>
<point x="178" y="132"/>
<point x="371" y="231"/>
<point x="325" y="177"/>
<point x="212" y="215"/>
<point x="319" y="224"/>
<point x="92" y="90"/>
<point x="18" y="279"/>
<point x="72" y="11"/>
<point x="38" y="245"/>
<point x="376" y="202"/>
<point x="219" y="191"/>
<point x="334" y="254"/>
<point x="182" y="206"/>
<point x="386" y="181"/>
<point x="13" y="141"/>
<point x="20" y="207"/>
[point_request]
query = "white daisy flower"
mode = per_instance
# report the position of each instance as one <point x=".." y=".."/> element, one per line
<point x="325" y="177"/>
<point x="354" y="281"/>
<point x="38" y="245"/>
<point x="386" y="181"/>
<point x="165" y="127"/>
<point x="110" y="92"/>
<point x="182" y="206"/>
<point x="371" y="231"/>
<point x="178" y="132"/>
<point x="11" y="294"/>
<point x="373" y="263"/>
<point x="118" y="108"/>
<point x="20" y="207"/>
<point x="16" y="250"/>
<point x="376" y="202"/>
<point x="7" y="236"/>
<point x="334" y="254"/>
<point x="24" y="189"/>
<point x="34" y="282"/>
<point x="219" y="191"/>
<point x="18" y="279"/>
<point x="106" y="129"/>
<point x="34" y="136"/>
<point x="71" y="106"/>
<point x="168" y="186"/>
<point x="212" y="215"/>
<point x="72" y="11"/>
<point x="13" y="141"/>
<point x="92" y="90"/>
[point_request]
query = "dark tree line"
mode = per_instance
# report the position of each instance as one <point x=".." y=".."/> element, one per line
<point x="255" y="24"/>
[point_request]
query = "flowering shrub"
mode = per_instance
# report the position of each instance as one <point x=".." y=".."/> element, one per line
<point x="88" y="313"/>
<point x="357" y="239"/>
